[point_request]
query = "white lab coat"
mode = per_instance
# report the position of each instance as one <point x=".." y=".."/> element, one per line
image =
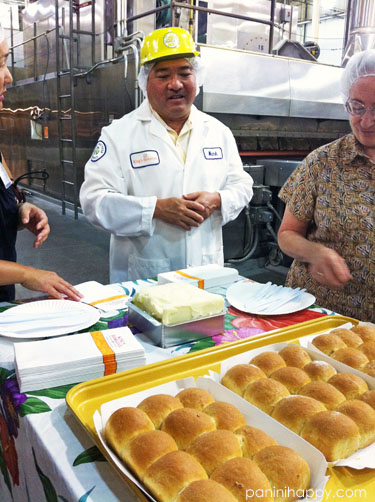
<point x="135" y="162"/>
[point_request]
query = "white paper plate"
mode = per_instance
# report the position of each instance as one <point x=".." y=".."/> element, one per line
<point x="238" y="295"/>
<point x="70" y="317"/>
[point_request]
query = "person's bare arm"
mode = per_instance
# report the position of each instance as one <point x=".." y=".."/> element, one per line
<point x="209" y="200"/>
<point x="180" y="212"/>
<point x="35" y="279"/>
<point x="34" y="219"/>
<point x="325" y="265"/>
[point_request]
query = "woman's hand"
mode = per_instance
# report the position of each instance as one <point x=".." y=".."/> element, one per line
<point x="34" y="219"/>
<point x="48" y="282"/>
<point x="329" y="268"/>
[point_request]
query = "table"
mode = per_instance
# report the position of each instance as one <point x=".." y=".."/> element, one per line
<point x="45" y="455"/>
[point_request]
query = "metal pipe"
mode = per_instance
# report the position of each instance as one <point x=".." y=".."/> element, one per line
<point x="316" y="20"/>
<point x="255" y="242"/>
<point x="272" y="21"/>
<point x="347" y="23"/>
<point x="32" y="38"/>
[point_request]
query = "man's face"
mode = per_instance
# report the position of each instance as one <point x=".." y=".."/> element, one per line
<point x="363" y="127"/>
<point x="5" y="76"/>
<point x="171" y="89"/>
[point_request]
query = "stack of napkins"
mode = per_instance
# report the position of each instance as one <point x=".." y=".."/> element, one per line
<point x="76" y="358"/>
<point x="203" y="277"/>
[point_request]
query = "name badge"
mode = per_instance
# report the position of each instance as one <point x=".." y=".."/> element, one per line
<point x="213" y="153"/>
<point x="4" y="176"/>
<point x="144" y="159"/>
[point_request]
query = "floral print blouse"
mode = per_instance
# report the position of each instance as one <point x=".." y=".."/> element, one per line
<point x="334" y="190"/>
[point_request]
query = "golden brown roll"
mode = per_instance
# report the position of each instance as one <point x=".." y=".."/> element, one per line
<point x="352" y="357"/>
<point x="124" y="424"/>
<point x="348" y="336"/>
<point x="294" y="411"/>
<point x="328" y="343"/>
<point x="194" y="397"/>
<point x="369" y="398"/>
<point x="286" y="470"/>
<point x="205" y="490"/>
<point x="243" y="478"/>
<point x="159" y="406"/>
<point x="364" y="416"/>
<point x="145" y="449"/>
<point x="323" y="392"/>
<point x="253" y="440"/>
<point x="213" y="448"/>
<point x="294" y="355"/>
<point x="293" y="378"/>
<point x="268" y="362"/>
<point x="319" y="370"/>
<point x="368" y="348"/>
<point x="367" y="333"/>
<point x="349" y="384"/>
<point x="333" y="433"/>
<point x="171" y="473"/>
<point x="265" y="393"/>
<point x="369" y="368"/>
<point x="226" y="415"/>
<point x="239" y="376"/>
<point x="185" y="424"/>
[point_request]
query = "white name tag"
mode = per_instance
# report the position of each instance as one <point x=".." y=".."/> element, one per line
<point x="4" y="176"/>
<point x="213" y="153"/>
<point x="144" y="159"/>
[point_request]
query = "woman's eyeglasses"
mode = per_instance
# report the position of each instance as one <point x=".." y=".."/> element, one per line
<point x="358" y="109"/>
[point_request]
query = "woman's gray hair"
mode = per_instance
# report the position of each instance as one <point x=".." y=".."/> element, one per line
<point x="2" y="35"/>
<point x="361" y="64"/>
<point x="196" y="62"/>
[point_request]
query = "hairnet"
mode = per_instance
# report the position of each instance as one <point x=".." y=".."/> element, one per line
<point x="196" y="63"/>
<point x="2" y="36"/>
<point x="361" y="64"/>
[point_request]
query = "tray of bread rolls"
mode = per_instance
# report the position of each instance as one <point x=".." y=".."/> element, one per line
<point x="87" y="398"/>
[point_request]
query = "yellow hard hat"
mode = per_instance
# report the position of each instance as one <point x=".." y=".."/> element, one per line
<point x="167" y="43"/>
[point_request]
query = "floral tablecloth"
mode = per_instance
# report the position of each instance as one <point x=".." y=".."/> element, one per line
<point x="45" y="455"/>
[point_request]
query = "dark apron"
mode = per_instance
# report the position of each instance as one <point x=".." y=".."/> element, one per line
<point x="8" y="234"/>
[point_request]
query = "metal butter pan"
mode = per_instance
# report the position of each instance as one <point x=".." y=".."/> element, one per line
<point x="175" y="334"/>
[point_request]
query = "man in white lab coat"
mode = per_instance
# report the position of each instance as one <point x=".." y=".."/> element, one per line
<point x="164" y="178"/>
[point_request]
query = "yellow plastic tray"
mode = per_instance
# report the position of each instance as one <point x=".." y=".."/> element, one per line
<point x="85" y="398"/>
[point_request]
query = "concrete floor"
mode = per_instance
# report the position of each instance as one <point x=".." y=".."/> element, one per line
<point x="79" y="252"/>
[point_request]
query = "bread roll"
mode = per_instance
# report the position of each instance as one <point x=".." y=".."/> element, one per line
<point x="226" y="415"/>
<point x="364" y="416"/>
<point x="213" y="448"/>
<point x="205" y="490"/>
<point x="253" y="440"/>
<point x="369" y="368"/>
<point x="328" y="343"/>
<point x="124" y="424"/>
<point x="349" y="384"/>
<point x="171" y="473"/>
<point x="294" y="411"/>
<point x="265" y="393"/>
<point x="293" y="378"/>
<point x="239" y="376"/>
<point x="333" y="433"/>
<point x="145" y="449"/>
<point x="268" y="362"/>
<point x="368" y="348"/>
<point x="287" y="472"/>
<point x="185" y="424"/>
<point x="352" y="357"/>
<point x="319" y="370"/>
<point x="158" y="407"/>
<point x="294" y="355"/>
<point x="243" y="478"/>
<point x="323" y="392"/>
<point x="367" y="333"/>
<point x="194" y="397"/>
<point x="369" y="398"/>
<point x="349" y="337"/>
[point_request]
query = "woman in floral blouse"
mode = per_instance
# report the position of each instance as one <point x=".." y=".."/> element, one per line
<point x="329" y="221"/>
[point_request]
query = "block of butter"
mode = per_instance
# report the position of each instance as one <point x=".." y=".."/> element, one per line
<point x="175" y="303"/>
<point x="203" y="277"/>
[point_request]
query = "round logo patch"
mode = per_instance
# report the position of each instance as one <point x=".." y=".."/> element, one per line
<point x="171" y="40"/>
<point x="99" y="151"/>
